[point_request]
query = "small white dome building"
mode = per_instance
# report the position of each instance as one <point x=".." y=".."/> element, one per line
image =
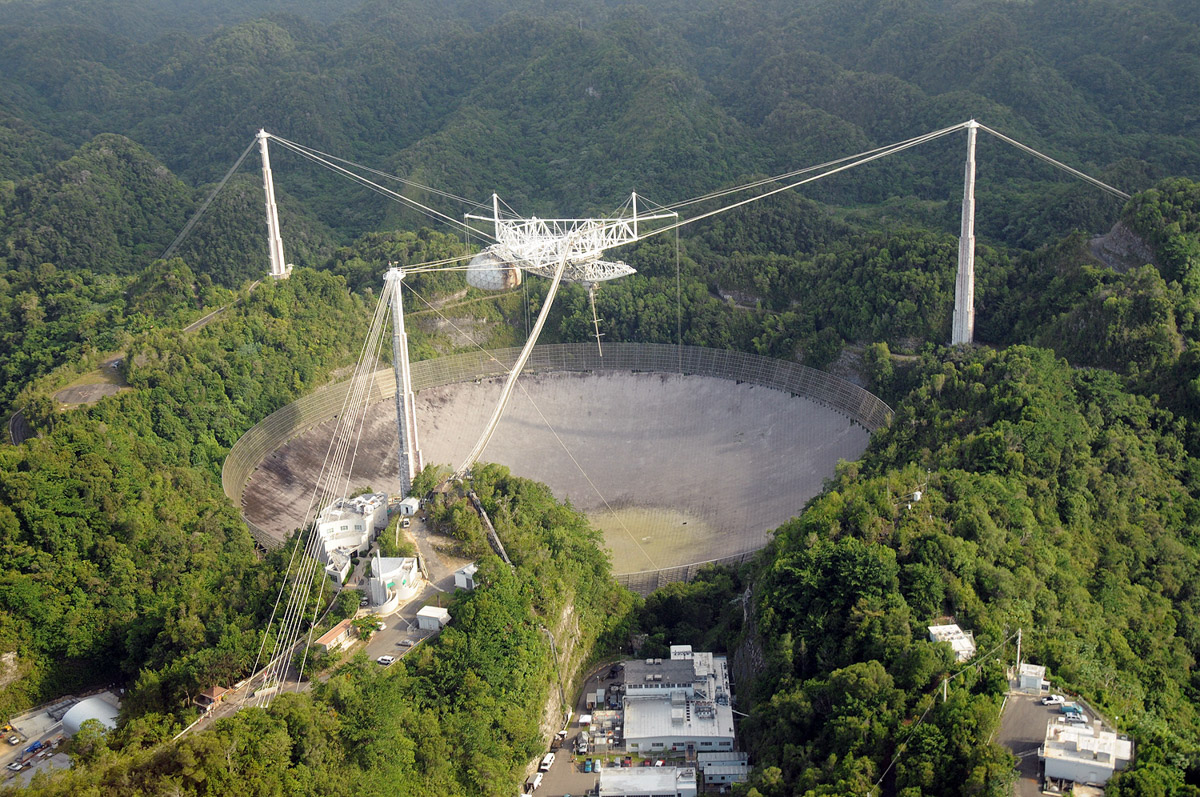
<point x="103" y="707"/>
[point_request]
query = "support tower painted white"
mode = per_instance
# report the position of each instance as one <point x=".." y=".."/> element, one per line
<point x="279" y="269"/>
<point x="406" y="415"/>
<point x="963" y="330"/>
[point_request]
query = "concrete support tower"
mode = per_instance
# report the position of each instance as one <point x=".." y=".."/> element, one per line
<point x="963" y="330"/>
<point x="279" y="270"/>
<point x="406" y="417"/>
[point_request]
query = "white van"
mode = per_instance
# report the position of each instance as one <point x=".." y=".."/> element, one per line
<point x="537" y="781"/>
<point x="547" y="762"/>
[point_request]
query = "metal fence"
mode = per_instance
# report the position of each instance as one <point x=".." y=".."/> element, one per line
<point x="298" y="417"/>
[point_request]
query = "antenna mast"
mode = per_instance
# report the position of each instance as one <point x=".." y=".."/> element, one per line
<point x="279" y="270"/>
<point x="406" y="415"/>
<point x="964" y="285"/>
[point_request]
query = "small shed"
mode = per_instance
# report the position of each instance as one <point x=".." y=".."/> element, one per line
<point x="464" y="577"/>
<point x="432" y="618"/>
<point x="210" y="697"/>
<point x="1031" y="677"/>
<point x="410" y="505"/>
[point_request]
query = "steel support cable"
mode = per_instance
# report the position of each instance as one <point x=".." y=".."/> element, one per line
<point x="378" y="189"/>
<point x="379" y="173"/>
<point x="807" y="169"/>
<point x="876" y="156"/>
<point x="187" y="228"/>
<point x="490" y="429"/>
<point x="553" y="431"/>
<point x="289" y="620"/>
<point x="373" y="186"/>
<point x="361" y="411"/>
<point x="1069" y="170"/>
<point x="353" y="409"/>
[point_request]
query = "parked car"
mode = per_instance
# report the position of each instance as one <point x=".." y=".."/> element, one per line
<point x="405" y="523"/>
<point x="537" y="781"/>
<point x="1053" y="700"/>
<point x="15" y="767"/>
<point x="14" y="740"/>
<point x="1077" y="719"/>
<point x="587" y="765"/>
<point x="405" y="643"/>
<point x="381" y="626"/>
<point x="659" y="762"/>
<point x="547" y="762"/>
<point x="386" y="661"/>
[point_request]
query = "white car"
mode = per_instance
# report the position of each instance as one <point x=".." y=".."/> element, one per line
<point x="1053" y="700"/>
<point x="386" y="661"/>
<point x="547" y="762"/>
<point x="15" y="767"/>
<point x="381" y="626"/>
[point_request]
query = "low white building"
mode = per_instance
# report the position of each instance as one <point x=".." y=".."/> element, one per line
<point x="346" y="527"/>
<point x="647" y="782"/>
<point x="1031" y="678"/>
<point x="394" y="580"/>
<point x="1083" y="753"/>
<point x="680" y="704"/>
<point x="961" y="642"/>
<point x="464" y="577"/>
<point x="725" y="774"/>
<point x="409" y="506"/>
<point x="432" y="618"/>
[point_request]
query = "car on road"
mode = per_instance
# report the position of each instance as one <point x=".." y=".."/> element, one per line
<point x="405" y="523"/>
<point x="386" y="661"/>
<point x="405" y="643"/>
<point x="547" y="762"/>
<point x="15" y="767"/>
<point x="14" y="740"/>
<point x="1053" y="700"/>
<point x="381" y="626"/>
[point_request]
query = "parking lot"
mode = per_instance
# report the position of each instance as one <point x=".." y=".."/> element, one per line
<point x="1022" y="731"/>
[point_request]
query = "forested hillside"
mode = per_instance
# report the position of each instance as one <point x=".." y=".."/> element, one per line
<point x="1057" y="459"/>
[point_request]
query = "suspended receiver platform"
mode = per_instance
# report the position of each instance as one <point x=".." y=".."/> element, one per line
<point x="541" y="246"/>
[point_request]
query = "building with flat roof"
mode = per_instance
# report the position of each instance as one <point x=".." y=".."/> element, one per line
<point x="725" y="774"/>
<point x="346" y="527"/>
<point x="464" y="577"/>
<point x="1031" y="677"/>
<point x="647" y="782"/>
<point x="681" y="703"/>
<point x="1083" y="753"/>
<point x="432" y="618"/>
<point x="961" y="642"/>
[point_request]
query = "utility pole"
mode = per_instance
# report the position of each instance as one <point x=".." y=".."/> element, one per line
<point x="963" y="330"/>
<point x="1018" y="653"/>
<point x="279" y="269"/>
<point x="406" y="417"/>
